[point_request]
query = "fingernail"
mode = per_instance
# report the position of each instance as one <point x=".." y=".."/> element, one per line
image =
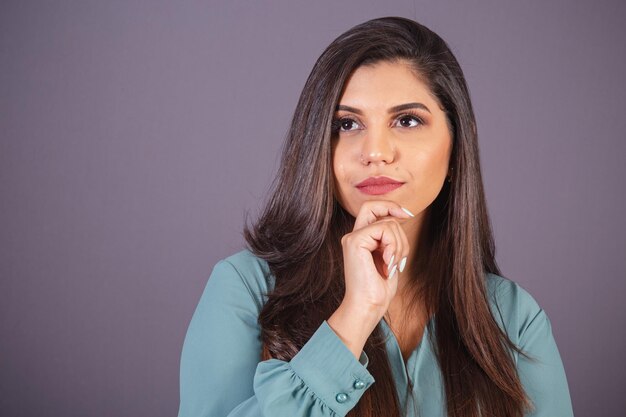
<point x="393" y="271"/>
<point x="391" y="260"/>
<point x="402" y="264"/>
<point x="408" y="212"/>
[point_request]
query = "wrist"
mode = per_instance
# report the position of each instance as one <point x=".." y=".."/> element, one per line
<point x="353" y="325"/>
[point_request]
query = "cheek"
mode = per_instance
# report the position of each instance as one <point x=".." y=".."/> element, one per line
<point x="337" y="168"/>
<point x="341" y="175"/>
<point x="340" y="179"/>
<point x="440" y="160"/>
<point x="427" y="163"/>
<point x="439" y="155"/>
<point x="430" y="165"/>
<point x="340" y="161"/>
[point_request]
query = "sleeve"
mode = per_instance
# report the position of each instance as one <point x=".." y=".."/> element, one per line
<point x="220" y="371"/>
<point x="544" y="378"/>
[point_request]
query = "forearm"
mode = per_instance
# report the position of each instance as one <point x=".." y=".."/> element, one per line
<point x="353" y="325"/>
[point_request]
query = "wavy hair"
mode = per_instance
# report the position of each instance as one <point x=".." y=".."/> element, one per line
<point x="299" y="232"/>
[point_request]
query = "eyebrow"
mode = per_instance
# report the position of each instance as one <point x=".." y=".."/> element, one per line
<point x="393" y="109"/>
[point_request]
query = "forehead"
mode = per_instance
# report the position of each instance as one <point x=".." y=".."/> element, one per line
<point x="385" y="84"/>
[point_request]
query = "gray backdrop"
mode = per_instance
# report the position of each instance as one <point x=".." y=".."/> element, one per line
<point x="136" y="133"/>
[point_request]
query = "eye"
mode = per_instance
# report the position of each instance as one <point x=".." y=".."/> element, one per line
<point x="409" y="120"/>
<point x="344" y="124"/>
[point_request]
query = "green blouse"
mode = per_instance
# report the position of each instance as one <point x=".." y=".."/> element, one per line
<point x="221" y="373"/>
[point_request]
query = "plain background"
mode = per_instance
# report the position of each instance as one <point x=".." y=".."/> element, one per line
<point x="135" y="134"/>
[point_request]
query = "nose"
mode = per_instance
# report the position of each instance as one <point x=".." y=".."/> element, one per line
<point x="377" y="147"/>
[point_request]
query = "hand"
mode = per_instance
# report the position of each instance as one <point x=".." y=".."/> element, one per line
<point x="372" y="256"/>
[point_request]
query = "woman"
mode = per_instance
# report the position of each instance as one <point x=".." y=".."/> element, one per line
<point x="370" y="286"/>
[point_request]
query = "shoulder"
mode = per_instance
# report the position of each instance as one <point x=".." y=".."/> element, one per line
<point x="505" y="292"/>
<point x="513" y="307"/>
<point x="242" y="271"/>
<point x="539" y="368"/>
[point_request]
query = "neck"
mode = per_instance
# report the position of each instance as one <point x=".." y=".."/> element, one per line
<point x="416" y="230"/>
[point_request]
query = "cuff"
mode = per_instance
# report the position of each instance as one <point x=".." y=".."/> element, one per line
<point x="331" y="371"/>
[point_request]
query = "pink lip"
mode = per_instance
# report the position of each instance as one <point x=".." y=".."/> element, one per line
<point x="378" y="185"/>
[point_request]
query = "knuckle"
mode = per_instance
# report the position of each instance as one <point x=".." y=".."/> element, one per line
<point x="365" y="206"/>
<point x="346" y="239"/>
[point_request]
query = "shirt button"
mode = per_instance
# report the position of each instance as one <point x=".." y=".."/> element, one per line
<point x="341" y="397"/>
<point x="358" y="384"/>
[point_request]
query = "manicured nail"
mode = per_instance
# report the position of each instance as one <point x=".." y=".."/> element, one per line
<point x="393" y="271"/>
<point x="408" y="212"/>
<point x="402" y="264"/>
<point x="391" y="260"/>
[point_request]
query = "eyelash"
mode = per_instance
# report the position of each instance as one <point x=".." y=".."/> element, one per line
<point x="337" y="122"/>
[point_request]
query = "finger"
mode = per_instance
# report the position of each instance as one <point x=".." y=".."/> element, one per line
<point x="406" y="247"/>
<point x="392" y="284"/>
<point x="373" y="210"/>
<point x="377" y="237"/>
<point x="399" y="246"/>
<point x="392" y="250"/>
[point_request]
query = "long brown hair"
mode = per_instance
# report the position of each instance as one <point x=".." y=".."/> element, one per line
<point x="299" y="232"/>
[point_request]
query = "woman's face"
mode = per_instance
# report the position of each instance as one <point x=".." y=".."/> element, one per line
<point x="389" y="125"/>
